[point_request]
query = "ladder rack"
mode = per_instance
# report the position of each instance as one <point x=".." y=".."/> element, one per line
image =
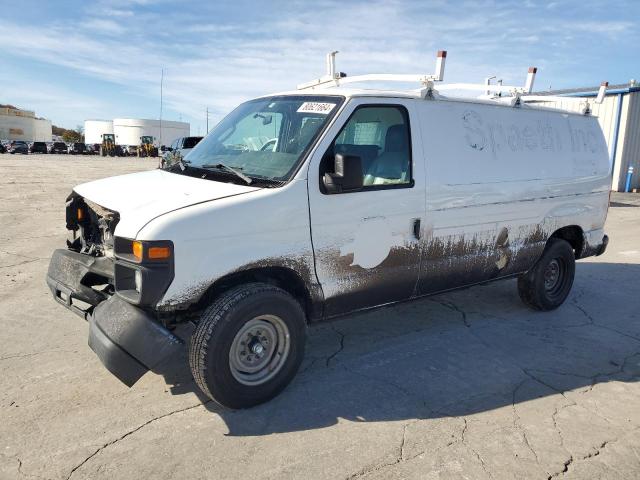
<point x="516" y="96"/>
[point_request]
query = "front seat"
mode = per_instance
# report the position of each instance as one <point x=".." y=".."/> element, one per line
<point x="392" y="166"/>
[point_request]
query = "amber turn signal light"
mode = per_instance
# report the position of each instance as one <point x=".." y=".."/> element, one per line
<point x="159" y="253"/>
<point x="137" y="250"/>
<point x="80" y="214"/>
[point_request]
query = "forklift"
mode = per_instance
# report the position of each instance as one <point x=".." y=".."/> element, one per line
<point x="108" y="146"/>
<point x="146" y="148"/>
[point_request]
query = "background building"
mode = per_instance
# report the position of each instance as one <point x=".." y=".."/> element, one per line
<point x="94" y="129"/>
<point x="16" y="124"/>
<point x="129" y="130"/>
<point x="619" y="117"/>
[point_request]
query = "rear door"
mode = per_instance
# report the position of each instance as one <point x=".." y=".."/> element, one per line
<point x="366" y="245"/>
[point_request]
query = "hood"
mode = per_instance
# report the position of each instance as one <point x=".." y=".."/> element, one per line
<point x="141" y="197"/>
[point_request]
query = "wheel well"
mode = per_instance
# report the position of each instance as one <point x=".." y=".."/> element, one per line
<point x="281" y="277"/>
<point x="572" y="234"/>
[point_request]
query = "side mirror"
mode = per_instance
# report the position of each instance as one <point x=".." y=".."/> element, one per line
<point x="347" y="177"/>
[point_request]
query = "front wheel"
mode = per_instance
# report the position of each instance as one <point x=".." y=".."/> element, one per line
<point x="248" y="345"/>
<point x="547" y="285"/>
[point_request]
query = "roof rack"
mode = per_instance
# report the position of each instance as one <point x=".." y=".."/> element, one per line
<point x="516" y="96"/>
<point x="584" y="103"/>
<point x="336" y="79"/>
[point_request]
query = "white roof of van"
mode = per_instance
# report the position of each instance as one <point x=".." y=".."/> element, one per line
<point x="413" y="94"/>
<point x="350" y="92"/>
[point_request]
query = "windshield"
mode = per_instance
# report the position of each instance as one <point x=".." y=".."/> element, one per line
<point x="266" y="138"/>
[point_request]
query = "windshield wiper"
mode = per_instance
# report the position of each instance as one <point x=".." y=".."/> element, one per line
<point x="227" y="168"/>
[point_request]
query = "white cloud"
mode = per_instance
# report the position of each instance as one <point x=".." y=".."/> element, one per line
<point x="217" y="63"/>
<point x="100" y="25"/>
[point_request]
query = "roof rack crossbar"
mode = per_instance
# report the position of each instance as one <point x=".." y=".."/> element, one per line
<point x="333" y="78"/>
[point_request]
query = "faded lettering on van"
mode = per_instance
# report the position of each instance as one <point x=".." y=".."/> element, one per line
<point x="472" y="124"/>
<point x="501" y="136"/>
<point x="583" y="140"/>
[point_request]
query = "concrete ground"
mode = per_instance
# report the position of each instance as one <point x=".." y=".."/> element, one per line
<point x="469" y="384"/>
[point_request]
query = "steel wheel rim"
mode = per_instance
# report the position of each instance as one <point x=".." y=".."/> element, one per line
<point x="259" y="350"/>
<point x="554" y="275"/>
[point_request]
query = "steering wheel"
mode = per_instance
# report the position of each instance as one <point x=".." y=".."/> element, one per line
<point x="270" y="144"/>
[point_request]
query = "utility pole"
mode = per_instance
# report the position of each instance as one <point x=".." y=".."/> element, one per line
<point x="161" y="82"/>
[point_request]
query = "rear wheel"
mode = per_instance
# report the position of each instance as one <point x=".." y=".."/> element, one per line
<point x="547" y="285"/>
<point x="248" y="345"/>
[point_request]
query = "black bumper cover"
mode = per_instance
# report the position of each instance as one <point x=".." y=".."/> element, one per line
<point x="126" y="339"/>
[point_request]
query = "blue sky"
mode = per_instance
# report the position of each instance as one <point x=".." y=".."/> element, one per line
<point x="74" y="60"/>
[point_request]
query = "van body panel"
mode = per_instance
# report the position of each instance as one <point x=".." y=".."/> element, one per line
<point x="265" y="228"/>
<point x="500" y="184"/>
<point x="365" y="249"/>
<point x="140" y="197"/>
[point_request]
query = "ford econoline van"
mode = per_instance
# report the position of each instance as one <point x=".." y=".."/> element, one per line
<point x="303" y="206"/>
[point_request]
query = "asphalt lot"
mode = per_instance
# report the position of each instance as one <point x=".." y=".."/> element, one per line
<point x="468" y="384"/>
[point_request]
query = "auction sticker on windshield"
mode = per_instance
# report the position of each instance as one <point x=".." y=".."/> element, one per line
<point x="316" y="107"/>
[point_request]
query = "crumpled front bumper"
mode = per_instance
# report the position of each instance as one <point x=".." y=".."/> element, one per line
<point x="127" y="339"/>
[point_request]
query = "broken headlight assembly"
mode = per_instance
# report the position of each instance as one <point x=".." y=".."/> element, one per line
<point x="143" y="270"/>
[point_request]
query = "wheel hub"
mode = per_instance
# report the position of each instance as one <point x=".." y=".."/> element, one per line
<point x="259" y="350"/>
<point x="551" y="275"/>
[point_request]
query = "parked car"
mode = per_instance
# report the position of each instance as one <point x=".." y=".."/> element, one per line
<point x="78" y="148"/>
<point x="59" y="147"/>
<point x="18" y="146"/>
<point x="302" y="206"/>
<point x="120" y="151"/>
<point x="178" y="149"/>
<point x="38" y="147"/>
<point x="131" y="150"/>
<point x="93" y="149"/>
<point x="3" y="149"/>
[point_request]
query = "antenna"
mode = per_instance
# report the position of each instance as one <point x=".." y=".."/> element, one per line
<point x="531" y="76"/>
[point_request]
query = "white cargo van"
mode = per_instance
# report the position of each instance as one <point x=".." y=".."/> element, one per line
<point x="302" y="206"/>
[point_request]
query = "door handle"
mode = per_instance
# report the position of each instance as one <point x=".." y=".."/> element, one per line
<point x="416" y="228"/>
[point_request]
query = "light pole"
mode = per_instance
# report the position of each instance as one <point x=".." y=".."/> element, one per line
<point x="161" y="82"/>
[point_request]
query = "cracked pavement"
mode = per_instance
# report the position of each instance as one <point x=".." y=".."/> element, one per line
<point x="468" y="384"/>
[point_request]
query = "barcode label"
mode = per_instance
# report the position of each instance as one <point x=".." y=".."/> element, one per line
<point x="316" y="107"/>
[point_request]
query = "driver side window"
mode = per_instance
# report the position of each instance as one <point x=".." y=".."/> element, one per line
<point x="380" y="136"/>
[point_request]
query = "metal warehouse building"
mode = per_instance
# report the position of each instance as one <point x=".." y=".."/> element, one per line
<point x="129" y="130"/>
<point x="619" y="117"/>
<point x="16" y="124"/>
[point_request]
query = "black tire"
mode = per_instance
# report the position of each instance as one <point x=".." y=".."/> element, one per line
<point x="547" y="285"/>
<point x="222" y="322"/>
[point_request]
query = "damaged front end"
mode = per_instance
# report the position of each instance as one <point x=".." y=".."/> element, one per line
<point x="82" y="276"/>
<point x="98" y="278"/>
